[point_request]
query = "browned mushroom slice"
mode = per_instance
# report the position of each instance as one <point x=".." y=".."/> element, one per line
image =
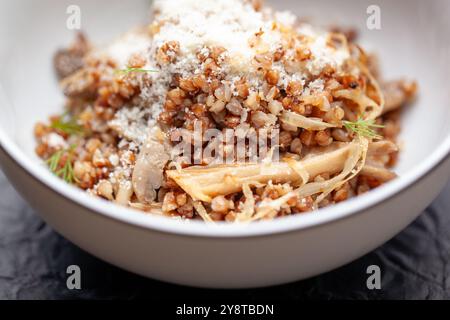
<point x="68" y="61"/>
<point x="381" y="174"/>
<point x="205" y="183"/>
<point x="350" y="33"/>
<point x="383" y="147"/>
<point x="398" y="93"/>
<point x="82" y="84"/>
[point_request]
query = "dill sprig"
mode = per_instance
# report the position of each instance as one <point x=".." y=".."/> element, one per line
<point x="67" y="124"/>
<point x="131" y="70"/>
<point x="66" y="171"/>
<point x="364" y="128"/>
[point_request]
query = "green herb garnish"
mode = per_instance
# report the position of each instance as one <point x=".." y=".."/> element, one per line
<point x="66" y="171"/>
<point x="364" y="128"/>
<point x="67" y="124"/>
<point x="130" y="70"/>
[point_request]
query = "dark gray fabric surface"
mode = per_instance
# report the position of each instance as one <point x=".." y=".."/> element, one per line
<point x="33" y="262"/>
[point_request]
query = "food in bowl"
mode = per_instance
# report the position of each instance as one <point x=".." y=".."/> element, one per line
<point x="224" y="111"/>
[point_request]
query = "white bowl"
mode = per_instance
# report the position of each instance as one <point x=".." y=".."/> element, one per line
<point x="414" y="41"/>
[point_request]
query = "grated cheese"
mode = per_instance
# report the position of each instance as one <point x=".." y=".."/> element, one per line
<point x="54" y="140"/>
<point x="198" y="25"/>
<point x="131" y="124"/>
<point x="324" y="55"/>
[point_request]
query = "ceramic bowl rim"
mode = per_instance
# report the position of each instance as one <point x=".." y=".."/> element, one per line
<point x="358" y="205"/>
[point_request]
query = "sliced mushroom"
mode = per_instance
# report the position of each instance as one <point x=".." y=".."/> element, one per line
<point x="148" y="173"/>
<point x="383" y="147"/>
<point x="68" y="61"/>
<point x="81" y="84"/>
<point x="398" y="93"/>
<point x="381" y="174"/>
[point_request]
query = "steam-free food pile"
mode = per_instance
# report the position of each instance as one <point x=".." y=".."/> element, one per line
<point x="301" y="117"/>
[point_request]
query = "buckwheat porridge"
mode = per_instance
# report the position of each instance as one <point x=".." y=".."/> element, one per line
<point x="224" y="110"/>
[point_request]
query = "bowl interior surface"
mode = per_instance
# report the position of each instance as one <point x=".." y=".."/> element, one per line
<point x="413" y="42"/>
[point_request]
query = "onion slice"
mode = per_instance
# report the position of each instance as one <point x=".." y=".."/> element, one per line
<point x="299" y="121"/>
